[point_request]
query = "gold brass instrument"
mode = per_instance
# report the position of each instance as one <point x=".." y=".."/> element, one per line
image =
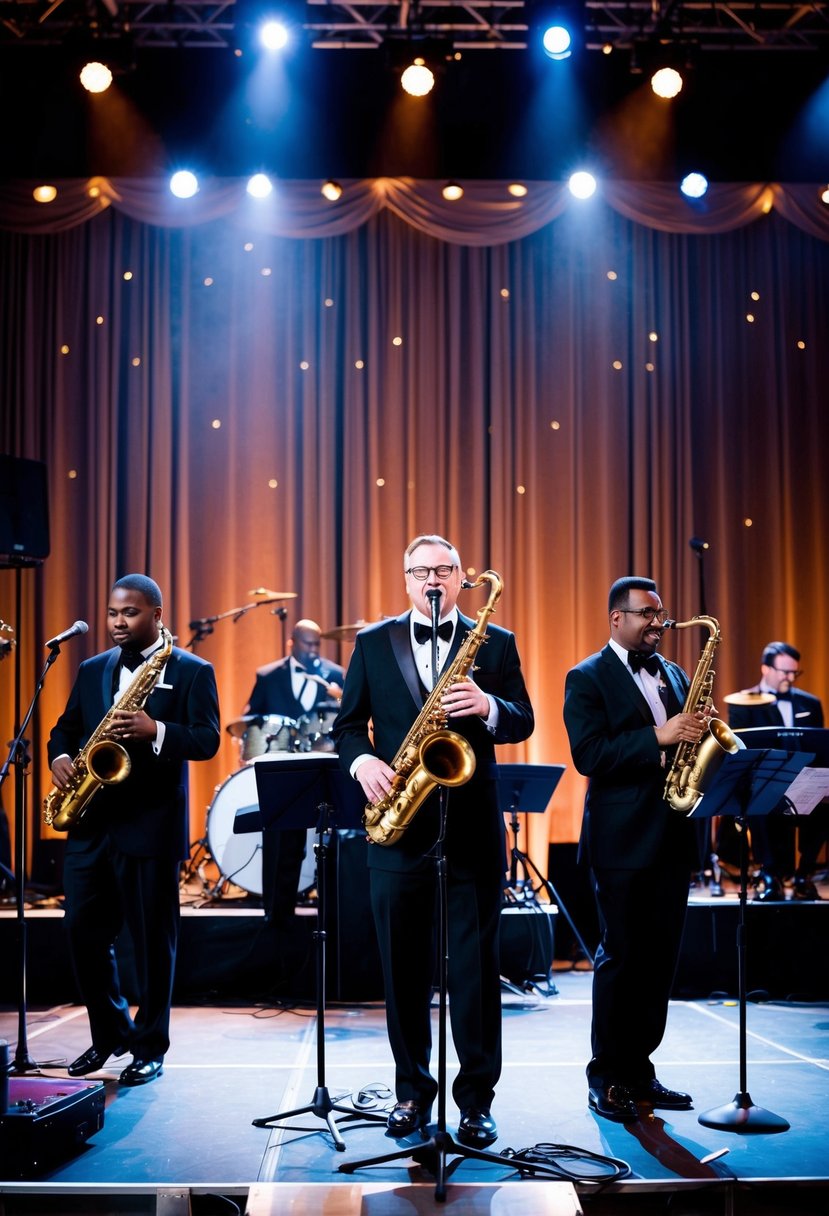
<point x="695" y="764"/>
<point x="7" y="640"/>
<point x="103" y="761"/>
<point x="430" y="754"/>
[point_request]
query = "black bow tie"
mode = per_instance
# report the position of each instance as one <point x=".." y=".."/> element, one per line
<point x="637" y="660"/>
<point x="131" y="659"/>
<point x="784" y="696"/>
<point x="423" y="633"/>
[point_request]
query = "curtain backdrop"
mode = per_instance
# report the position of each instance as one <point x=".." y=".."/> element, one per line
<point x="231" y="399"/>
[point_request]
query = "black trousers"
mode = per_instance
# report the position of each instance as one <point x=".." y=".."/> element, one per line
<point x="106" y="889"/>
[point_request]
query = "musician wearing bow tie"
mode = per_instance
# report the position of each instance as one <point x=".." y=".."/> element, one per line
<point x="623" y="714"/>
<point x="387" y="682"/>
<point x="780" y="703"/>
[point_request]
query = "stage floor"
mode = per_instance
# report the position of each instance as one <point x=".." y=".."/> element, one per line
<point x="192" y="1129"/>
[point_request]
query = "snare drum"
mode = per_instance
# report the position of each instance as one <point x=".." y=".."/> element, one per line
<point x="268" y="734"/>
<point x="315" y="729"/>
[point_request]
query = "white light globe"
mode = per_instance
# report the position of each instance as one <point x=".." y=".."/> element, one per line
<point x="666" y="83"/>
<point x="273" y="36"/>
<point x="557" y="42"/>
<point x="259" y="186"/>
<point x="418" y="80"/>
<point x="582" y="185"/>
<point x="184" y="184"/>
<point x="96" y="77"/>
<point x="694" y="185"/>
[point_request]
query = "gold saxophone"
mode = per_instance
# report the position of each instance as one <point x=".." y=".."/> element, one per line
<point x="430" y="754"/>
<point x="102" y="761"/>
<point x="695" y="764"/>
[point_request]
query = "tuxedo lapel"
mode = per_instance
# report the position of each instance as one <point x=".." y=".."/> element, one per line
<point x="401" y="645"/>
<point x="676" y="698"/>
<point x="623" y="684"/>
<point x="108" y="686"/>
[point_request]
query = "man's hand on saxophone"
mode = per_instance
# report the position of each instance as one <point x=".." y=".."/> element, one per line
<point x="683" y="728"/>
<point x="129" y="725"/>
<point x="62" y="771"/>
<point x="464" y="699"/>
<point x="375" y="777"/>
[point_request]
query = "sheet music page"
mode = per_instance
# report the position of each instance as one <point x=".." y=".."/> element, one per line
<point x="810" y="786"/>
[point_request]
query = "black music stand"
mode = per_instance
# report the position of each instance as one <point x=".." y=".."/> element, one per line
<point x="302" y="792"/>
<point x="749" y="783"/>
<point x="528" y="788"/>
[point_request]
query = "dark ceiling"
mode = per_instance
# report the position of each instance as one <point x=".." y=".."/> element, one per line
<point x="183" y="92"/>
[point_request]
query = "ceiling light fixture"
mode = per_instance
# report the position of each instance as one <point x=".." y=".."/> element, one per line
<point x="418" y="80"/>
<point x="95" y="77"/>
<point x="452" y="191"/>
<point x="331" y="190"/>
<point x="666" y="82"/>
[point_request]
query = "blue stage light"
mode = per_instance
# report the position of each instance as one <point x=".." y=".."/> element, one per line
<point x="557" y="42"/>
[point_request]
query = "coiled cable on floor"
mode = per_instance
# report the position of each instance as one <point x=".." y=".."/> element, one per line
<point x="566" y="1162"/>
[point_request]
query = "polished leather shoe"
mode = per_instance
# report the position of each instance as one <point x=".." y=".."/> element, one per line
<point x="477" y="1128"/>
<point x="614" y="1102"/>
<point x="92" y="1060"/>
<point x="772" y="889"/>
<point x="805" y="889"/>
<point x="141" y="1071"/>
<point x="656" y="1094"/>
<point x="406" y="1117"/>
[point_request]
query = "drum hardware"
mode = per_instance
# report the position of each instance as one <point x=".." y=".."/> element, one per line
<point x="345" y="633"/>
<point x="203" y="625"/>
<point x="265" y="734"/>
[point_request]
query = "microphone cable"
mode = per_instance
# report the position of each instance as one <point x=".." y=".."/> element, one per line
<point x="570" y="1164"/>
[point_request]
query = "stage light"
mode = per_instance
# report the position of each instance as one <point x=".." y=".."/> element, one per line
<point x="666" y="82"/>
<point x="184" y="184"/>
<point x="824" y="198"/>
<point x="694" y="185"/>
<point x="557" y="42"/>
<point x="582" y="184"/>
<point x="95" y="77"/>
<point x="45" y="194"/>
<point x="331" y="190"/>
<point x="418" y="80"/>
<point x="273" y="35"/>
<point x="259" y="186"/>
<point x="452" y="191"/>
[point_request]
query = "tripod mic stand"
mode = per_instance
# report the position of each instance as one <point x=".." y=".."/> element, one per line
<point x="439" y="1145"/>
<point x="289" y="792"/>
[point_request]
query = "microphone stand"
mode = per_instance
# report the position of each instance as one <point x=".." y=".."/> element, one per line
<point x="203" y="625"/>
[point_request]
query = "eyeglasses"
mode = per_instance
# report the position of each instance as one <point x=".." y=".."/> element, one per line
<point x="422" y="572"/>
<point x="647" y="614"/>
<point x="794" y="674"/>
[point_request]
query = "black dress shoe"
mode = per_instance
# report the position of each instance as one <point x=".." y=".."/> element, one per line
<point x="141" y="1071"/>
<point x="804" y="888"/>
<point x="406" y="1117"/>
<point x="614" y="1102"/>
<point x="656" y="1094"/>
<point x="772" y="889"/>
<point x="477" y="1128"/>
<point x="93" y="1060"/>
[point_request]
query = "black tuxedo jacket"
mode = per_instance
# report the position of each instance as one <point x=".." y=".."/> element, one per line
<point x="382" y="688"/>
<point x="146" y="814"/>
<point x="273" y="691"/>
<point x="626" y="824"/>
<point x="808" y="711"/>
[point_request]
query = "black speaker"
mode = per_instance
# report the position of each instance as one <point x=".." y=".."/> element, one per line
<point x="24" y="512"/>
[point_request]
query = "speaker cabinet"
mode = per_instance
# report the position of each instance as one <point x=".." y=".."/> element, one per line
<point x="24" y="512"/>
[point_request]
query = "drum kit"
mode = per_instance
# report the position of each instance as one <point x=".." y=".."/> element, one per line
<point x="265" y="737"/>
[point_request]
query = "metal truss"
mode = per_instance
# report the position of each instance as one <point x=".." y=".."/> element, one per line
<point x="477" y="25"/>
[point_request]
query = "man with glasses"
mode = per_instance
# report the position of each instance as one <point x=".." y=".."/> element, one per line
<point x="387" y="682"/>
<point x="773" y="837"/>
<point x="623" y="713"/>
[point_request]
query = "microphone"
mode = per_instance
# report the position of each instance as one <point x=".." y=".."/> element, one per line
<point x="698" y="545"/>
<point x="433" y="596"/>
<point x="78" y="627"/>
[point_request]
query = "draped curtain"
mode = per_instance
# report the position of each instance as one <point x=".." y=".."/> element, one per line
<point x="232" y="399"/>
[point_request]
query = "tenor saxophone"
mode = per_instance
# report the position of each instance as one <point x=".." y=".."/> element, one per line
<point x="695" y="764"/>
<point x="431" y="755"/>
<point x="103" y="761"/>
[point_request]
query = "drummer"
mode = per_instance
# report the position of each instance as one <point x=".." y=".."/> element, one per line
<point x="293" y="687"/>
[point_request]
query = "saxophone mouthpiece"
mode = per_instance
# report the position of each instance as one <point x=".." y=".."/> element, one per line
<point x="466" y="585"/>
<point x="669" y="624"/>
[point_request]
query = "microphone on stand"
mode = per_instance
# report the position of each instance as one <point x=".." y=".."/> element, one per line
<point x="71" y="632"/>
<point x="699" y="546"/>
<point x="433" y="596"/>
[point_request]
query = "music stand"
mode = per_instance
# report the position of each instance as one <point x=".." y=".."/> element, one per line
<point x="302" y="792"/>
<point x="528" y="788"/>
<point x="748" y="783"/>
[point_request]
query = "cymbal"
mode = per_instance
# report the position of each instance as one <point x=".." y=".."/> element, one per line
<point x="273" y="595"/>
<point x="344" y="633"/>
<point x="750" y="698"/>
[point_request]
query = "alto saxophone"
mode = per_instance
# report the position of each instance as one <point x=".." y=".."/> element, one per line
<point x="103" y="761"/>
<point x="695" y="764"/>
<point x="430" y="754"/>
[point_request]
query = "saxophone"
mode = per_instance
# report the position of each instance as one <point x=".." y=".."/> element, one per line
<point x="430" y="754"/>
<point x="695" y="764"/>
<point x="102" y="761"/>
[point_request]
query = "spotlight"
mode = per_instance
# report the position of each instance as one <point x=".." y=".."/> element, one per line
<point x="418" y="80"/>
<point x="452" y="191"/>
<point x="824" y="197"/>
<point x="273" y="35"/>
<point x="331" y="190"/>
<point x="694" y="185"/>
<point x="184" y="184"/>
<point x="582" y="184"/>
<point x="557" y="42"/>
<point x="95" y="77"/>
<point x="259" y="186"/>
<point x="45" y="194"/>
<point x="666" y="82"/>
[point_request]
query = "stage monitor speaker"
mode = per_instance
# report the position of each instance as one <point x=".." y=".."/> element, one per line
<point x="24" y="512"/>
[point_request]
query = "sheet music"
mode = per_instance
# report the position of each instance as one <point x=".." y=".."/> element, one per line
<point x="810" y="787"/>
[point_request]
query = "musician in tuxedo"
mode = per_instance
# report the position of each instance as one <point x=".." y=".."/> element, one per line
<point x="388" y="679"/>
<point x="773" y="836"/>
<point x="122" y="858"/>
<point x="293" y="687"/>
<point x="624" y="719"/>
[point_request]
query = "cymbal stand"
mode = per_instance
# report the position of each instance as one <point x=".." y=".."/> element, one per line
<point x="433" y="1152"/>
<point x="321" y="1105"/>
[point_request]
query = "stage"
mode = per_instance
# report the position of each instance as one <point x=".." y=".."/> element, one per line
<point x="241" y="1050"/>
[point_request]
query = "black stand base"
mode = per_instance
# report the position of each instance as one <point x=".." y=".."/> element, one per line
<point x="432" y="1154"/>
<point x="323" y="1108"/>
<point x="742" y="1115"/>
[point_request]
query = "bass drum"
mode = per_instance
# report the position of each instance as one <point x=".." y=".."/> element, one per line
<point x="239" y="857"/>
